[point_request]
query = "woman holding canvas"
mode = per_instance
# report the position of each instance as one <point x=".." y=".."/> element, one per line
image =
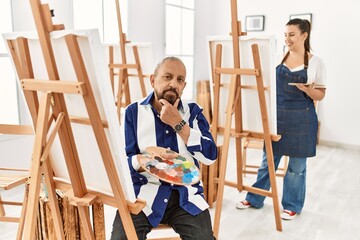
<point x="299" y="82"/>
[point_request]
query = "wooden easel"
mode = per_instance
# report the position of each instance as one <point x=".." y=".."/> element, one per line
<point x="234" y="106"/>
<point x="51" y="118"/>
<point x="123" y="83"/>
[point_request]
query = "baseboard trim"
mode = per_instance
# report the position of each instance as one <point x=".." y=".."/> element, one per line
<point x="340" y="145"/>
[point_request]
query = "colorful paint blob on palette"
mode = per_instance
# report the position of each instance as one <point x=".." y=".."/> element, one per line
<point x="177" y="170"/>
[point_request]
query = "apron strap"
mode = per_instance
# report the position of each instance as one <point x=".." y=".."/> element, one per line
<point x="285" y="57"/>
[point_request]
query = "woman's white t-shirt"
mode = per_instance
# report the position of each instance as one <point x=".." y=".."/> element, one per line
<point x="316" y="70"/>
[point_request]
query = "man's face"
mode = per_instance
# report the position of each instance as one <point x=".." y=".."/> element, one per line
<point x="169" y="82"/>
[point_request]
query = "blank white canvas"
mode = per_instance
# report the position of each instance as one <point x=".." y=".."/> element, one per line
<point x="251" y="114"/>
<point x="91" y="161"/>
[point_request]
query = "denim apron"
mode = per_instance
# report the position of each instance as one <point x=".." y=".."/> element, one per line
<point x="296" y="117"/>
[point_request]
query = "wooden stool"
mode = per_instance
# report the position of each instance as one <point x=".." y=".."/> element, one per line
<point x="163" y="227"/>
<point x="9" y="179"/>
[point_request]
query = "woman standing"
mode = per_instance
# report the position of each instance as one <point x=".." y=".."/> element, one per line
<point x="296" y="119"/>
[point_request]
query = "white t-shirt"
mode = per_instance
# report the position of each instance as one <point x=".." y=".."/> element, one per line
<point x="316" y="70"/>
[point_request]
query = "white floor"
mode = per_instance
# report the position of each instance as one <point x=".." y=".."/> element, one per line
<point x="331" y="210"/>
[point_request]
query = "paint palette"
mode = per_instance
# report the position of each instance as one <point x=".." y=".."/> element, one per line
<point x="169" y="166"/>
<point x="314" y="85"/>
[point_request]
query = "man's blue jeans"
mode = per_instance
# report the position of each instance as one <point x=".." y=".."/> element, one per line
<point x="294" y="184"/>
<point x="187" y="226"/>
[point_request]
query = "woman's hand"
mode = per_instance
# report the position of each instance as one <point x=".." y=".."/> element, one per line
<point x="314" y="93"/>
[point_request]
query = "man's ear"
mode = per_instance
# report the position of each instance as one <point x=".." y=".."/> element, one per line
<point x="152" y="80"/>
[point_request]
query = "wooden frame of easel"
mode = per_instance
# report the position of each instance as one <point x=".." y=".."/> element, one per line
<point x="234" y="106"/>
<point x="51" y="110"/>
<point x="123" y="82"/>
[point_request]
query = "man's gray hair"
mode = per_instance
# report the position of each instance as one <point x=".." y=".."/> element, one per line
<point x="171" y="58"/>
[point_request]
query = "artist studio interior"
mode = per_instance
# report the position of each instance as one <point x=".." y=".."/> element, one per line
<point x="69" y="70"/>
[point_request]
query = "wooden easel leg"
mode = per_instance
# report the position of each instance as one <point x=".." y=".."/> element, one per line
<point x="139" y="70"/>
<point x="54" y="206"/>
<point x="215" y="123"/>
<point x="267" y="137"/>
<point x="35" y="172"/>
<point x="211" y="185"/>
<point x="239" y="163"/>
<point x="244" y="146"/>
<point x="2" y="209"/>
<point x="223" y="163"/>
<point x="126" y="87"/>
<point x="274" y="194"/>
<point x="238" y="140"/>
<point x="119" y="93"/>
<point x="111" y="61"/>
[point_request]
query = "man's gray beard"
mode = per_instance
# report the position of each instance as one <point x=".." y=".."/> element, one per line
<point x="171" y="99"/>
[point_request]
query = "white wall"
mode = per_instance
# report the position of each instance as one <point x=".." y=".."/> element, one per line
<point x="24" y="21"/>
<point x="203" y="28"/>
<point x="146" y="23"/>
<point x="10" y="158"/>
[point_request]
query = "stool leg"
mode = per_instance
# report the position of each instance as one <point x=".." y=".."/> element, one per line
<point x="23" y="211"/>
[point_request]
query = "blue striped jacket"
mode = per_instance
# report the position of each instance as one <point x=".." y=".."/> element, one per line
<point x="143" y="128"/>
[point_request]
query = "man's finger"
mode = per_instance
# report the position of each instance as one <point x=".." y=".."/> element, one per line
<point x="164" y="102"/>
<point x="176" y="103"/>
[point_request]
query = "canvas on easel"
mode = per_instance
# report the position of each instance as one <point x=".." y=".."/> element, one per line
<point x="250" y="101"/>
<point x="78" y="143"/>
